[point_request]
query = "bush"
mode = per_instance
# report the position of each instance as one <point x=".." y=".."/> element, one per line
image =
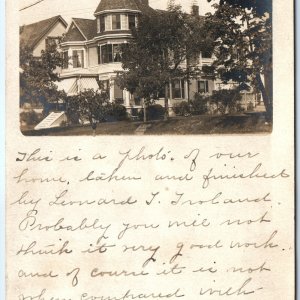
<point x="199" y="104"/>
<point x="182" y="108"/>
<point x="226" y="100"/>
<point x="117" y="112"/>
<point x="153" y="112"/>
<point x="30" y="117"/>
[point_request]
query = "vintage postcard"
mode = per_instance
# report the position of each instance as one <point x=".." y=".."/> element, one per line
<point x="150" y="149"/>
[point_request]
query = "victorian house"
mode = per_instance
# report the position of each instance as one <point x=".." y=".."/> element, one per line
<point x="91" y="49"/>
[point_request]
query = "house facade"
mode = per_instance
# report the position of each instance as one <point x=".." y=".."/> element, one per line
<point x="37" y="36"/>
<point x="91" y="49"/>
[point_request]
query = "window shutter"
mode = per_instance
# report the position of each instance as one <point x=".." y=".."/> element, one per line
<point x="206" y="89"/>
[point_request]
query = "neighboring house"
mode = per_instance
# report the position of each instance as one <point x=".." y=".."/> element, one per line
<point x="92" y="54"/>
<point x="38" y="35"/>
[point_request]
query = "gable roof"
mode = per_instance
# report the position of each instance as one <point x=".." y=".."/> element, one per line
<point x="81" y="30"/>
<point x="87" y="27"/>
<point x="140" y="5"/>
<point x="31" y="34"/>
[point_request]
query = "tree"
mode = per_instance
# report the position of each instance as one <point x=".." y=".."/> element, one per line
<point x="88" y="105"/>
<point x="242" y="30"/>
<point x="158" y="52"/>
<point x="37" y="76"/>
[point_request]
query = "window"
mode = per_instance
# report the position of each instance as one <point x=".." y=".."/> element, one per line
<point x="106" y="54"/>
<point x="116" y="21"/>
<point x="102" y="23"/>
<point x="78" y="58"/>
<point x="51" y="41"/>
<point x="131" y="21"/>
<point x="203" y="86"/>
<point x="116" y="53"/>
<point x="105" y="87"/>
<point x="109" y="53"/>
<point x="65" y="57"/>
<point x="178" y="89"/>
<point x="98" y="25"/>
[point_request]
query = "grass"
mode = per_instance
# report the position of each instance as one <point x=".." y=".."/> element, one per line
<point x="234" y="124"/>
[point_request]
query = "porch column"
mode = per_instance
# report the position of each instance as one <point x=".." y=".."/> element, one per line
<point x="126" y="97"/>
<point x="112" y="90"/>
<point x="186" y="89"/>
<point x="170" y="91"/>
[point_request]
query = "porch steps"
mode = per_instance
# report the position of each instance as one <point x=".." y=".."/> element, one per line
<point x="54" y="119"/>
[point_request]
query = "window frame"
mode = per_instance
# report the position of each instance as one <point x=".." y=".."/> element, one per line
<point x="102" y="20"/>
<point x="206" y="87"/>
<point x="134" y="17"/>
<point x="82" y="58"/>
<point x="110" y="54"/>
<point x="117" y="22"/>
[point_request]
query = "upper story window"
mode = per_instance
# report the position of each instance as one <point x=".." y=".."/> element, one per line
<point x="109" y="53"/>
<point x="102" y="23"/>
<point x="65" y="56"/>
<point x="131" y="21"/>
<point x="78" y="59"/>
<point x="116" y="21"/>
<point x="52" y="41"/>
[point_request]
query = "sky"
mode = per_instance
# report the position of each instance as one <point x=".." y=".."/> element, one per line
<point x="86" y="8"/>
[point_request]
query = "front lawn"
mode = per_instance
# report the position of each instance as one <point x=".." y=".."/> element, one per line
<point x="235" y="124"/>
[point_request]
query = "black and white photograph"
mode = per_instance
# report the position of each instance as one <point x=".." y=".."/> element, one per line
<point x="150" y="150"/>
<point x="145" y="67"/>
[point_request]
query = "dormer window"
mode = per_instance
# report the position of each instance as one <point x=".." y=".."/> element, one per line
<point x="131" y="21"/>
<point x="116" y="21"/>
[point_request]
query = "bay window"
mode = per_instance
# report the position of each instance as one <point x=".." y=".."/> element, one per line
<point x="102" y="23"/>
<point x="109" y="53"/>
<point x="78" y="58"/>
<point x="131" y="21"/>
<point x="65" y="56"/>
<point x="116" y="21"/>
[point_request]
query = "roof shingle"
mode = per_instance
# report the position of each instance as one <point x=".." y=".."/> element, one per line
<point x="31" y="34"/>
<point x="140" y="5"/>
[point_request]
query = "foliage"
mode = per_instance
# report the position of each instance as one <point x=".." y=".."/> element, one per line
<point x="88" y="105"/>
<point x="242" y="30"/>
<point x="153" y="112"/>
<point x="199" y="104"/>
<point x="30" y="117"/>
<point x="161" y="44"/>
<point x="116" y="112"/>
<point x="182" y="108"/>
<point x="37" y="76"/>
<point x="226" y="100"/>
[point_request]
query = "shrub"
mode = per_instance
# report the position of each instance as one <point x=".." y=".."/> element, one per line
<point x="153" y="112"/>
<point x="182" y="108"/>
<point x="199" y="104"/>
<point x="30" y="117"/>
<point x="117" y="112"/>
<point x="226" y="100"/>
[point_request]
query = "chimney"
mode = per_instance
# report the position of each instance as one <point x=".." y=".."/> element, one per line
<point x="195" y="10"/>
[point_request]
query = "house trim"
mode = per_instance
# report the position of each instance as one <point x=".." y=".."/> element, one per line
<point x="115" y="11"/>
